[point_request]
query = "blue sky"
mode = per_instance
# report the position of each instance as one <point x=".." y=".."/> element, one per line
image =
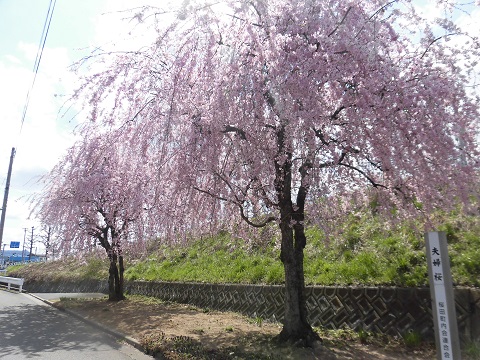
<point x="72" y="24"/>
<point x="77" y="26"/>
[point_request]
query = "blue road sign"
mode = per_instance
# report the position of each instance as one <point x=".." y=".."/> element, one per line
<point x="14" y="244"/>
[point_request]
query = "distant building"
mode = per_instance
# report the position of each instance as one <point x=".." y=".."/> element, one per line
<point x="11" y="257"/>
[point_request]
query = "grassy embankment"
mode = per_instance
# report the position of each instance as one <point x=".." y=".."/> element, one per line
<point x="365" y="254"/>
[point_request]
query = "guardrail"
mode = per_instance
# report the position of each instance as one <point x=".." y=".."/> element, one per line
<point x="12" y="281"/>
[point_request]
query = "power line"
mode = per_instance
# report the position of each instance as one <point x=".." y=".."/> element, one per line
<point x="41" y="46"/>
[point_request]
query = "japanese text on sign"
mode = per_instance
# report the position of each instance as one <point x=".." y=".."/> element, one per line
<point x="440" y="298"/>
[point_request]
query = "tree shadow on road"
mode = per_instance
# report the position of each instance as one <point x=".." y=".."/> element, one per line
<point x="28" y="330"/>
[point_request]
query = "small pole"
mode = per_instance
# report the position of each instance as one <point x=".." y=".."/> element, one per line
<point x="47" y="246"/>
<point x="3" y="255"/>
<point x="31" y="245"/>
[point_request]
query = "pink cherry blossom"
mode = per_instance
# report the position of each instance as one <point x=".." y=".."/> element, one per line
<point x="272" y="111"/>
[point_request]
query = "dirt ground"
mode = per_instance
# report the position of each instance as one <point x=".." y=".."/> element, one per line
<point x="175" y="331"/>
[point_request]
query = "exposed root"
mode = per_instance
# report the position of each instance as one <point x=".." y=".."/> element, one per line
<point x="305" y="338"/>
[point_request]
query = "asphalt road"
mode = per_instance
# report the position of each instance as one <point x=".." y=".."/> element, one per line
<point x="31" y="329"/>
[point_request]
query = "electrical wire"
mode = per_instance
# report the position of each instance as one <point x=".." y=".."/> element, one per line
<point x="36" y="66"/>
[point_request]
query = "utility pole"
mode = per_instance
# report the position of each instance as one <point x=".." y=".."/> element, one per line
<point x="23" y="250"/>
<point x="31" y="246"/>
<point x="5" y="197"/>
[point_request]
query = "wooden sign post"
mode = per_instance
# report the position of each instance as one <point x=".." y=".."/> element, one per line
<point x="443" y="302"/>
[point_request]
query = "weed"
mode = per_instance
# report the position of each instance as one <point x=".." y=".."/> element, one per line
<point x="229" y="329"/>
<point x="184" y="347"/>
<point x="337" y="334"/>
<point x="472" y="350"/>
<point x="412" y="339"/>
<point x="363" y="336"/>
<point x="153" y="344"/>
<point x="256" y="320"/>
<point x="147" y="300"/>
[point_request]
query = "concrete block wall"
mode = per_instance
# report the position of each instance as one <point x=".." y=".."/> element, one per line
<point x="387" y="310"/>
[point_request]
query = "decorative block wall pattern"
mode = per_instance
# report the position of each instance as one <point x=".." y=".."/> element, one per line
<point x="387" y="310"/>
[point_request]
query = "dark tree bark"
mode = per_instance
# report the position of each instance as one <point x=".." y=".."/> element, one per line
<point x="121" y="269"/>
<point x="115" y="278"/>
<point x="116" y="268"/>
<point x="296" y="328"/>
<point x="111" y="280"/>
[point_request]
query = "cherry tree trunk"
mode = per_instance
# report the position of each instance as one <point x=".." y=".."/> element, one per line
<point x="119" y="288"/>
<point x="296" y="328"/>
<point x="115" y="279"/>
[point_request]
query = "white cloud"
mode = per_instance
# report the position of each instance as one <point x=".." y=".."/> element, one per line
<point x="43" y="138"/>
<point x="12" y="59"/>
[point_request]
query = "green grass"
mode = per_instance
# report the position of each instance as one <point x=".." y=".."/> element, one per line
<point x="366" y="253"/>
<point x="218" y="260"/>
<point x="92" y="267"/>
<point x="412" y="339"/>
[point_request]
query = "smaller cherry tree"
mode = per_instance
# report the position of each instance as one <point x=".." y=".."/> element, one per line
<point x="95" y="192"/>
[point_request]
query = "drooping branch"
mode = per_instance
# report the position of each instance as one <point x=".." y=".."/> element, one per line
<point x="341" y="22"/>
<point x="256" y="225"/>
<point x="230" y="187"/>
<point x="382" y="8"/>
<point x="435" y="40"/>
<point x="243" y="20"/>
<point x="364" y="174"/>
<point x="239" y="202"/>
<point x="240" y="207"/>
<point x="375" y="164"/>
<point x="141" y="109"/>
